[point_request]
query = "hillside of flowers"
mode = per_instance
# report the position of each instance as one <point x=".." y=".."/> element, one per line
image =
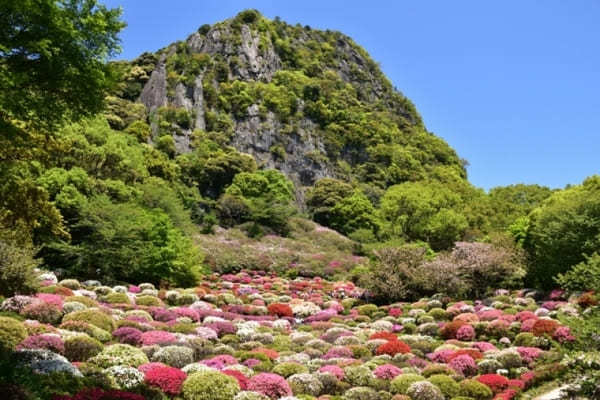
<point x="256" y="336"/>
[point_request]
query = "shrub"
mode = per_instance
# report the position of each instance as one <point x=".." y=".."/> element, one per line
<point x="157" y="337"/>
<point x="447" y="385"/>
<point x="175" y="356"/>
<point x="94" y="317"/>
<point x="424" y="390"/>
<point x="168" y="379"/>
<point x="386" y="371"/>
<point x="280" y="310"/>
<point x="305" y="383"/>
<point x="48" y="342"/>
<point x="128" y="335"/>
<point x="494" y="381"/>
<point x="472" y="388"/>
<point x="43" y="312"/>
<point x="148" y="301"/>
<point x="287" y="369"/>
<point x="582" y="276"/>
<point x="463" y="364"/>
<point x="100" y="394"/>
<point x="81" y="348"/>
<point x="17" y="268"/>
<point x="392" y="348"/>
<point x="115" y="298"/>
<point x="209" y="385"/>
<point x="271" y="385"/>
<point x="119" y="354"/>
<point x="124" y="377"/>
<point x="12" y="332"/>
<point x="544" y="327"/>
<point x="401" y="383"/>
<point x="360" y="393"/>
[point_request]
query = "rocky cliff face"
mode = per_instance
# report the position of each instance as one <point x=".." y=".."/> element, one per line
<point x="310" y="103"/>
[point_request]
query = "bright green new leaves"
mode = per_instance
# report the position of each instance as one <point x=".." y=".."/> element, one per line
<point x="53" y="58"/>
<point x="564" y="228"/>
<point x="426" y="211"/>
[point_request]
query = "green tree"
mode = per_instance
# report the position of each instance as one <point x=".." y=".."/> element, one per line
<point x="564" y="228"/>
<point x="512" y="202"/>
<point x="322" y="198"/>
<point x="125" y="242"/>
<point x="53" y="57"/>
<point x="426" y="211"/>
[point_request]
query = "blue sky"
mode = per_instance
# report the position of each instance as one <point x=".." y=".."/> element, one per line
<point x="513" y="86"/>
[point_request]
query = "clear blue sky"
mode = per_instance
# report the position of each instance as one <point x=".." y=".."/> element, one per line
<point x="512" y="85"/>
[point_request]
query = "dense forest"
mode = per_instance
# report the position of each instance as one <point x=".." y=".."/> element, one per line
<point x="252" y="145"/>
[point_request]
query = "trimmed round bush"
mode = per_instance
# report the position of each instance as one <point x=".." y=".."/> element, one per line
<point x="45" y="341"/>
<point x="424" y="390"/>
<point x="401" y="383"/>
<point x="287" y="369"/>
<point x="175" y="356"/>
<point x="116" y="298"/>
<point x="94" y="317"/>
<point x="167" y="379"/>
<point x="209" y="385"/>
<point x="45" y="313"/>
<point x="81" y="348"/>
<point x="449" y="387"/>
<point x="360" y="393"/>
<point x="305" y="384"/>
<point x="271" y="385"/>
<point x="476" y="390"/>
<point x="12" y="332"/>
<point x="119" y="354"/>
<point x="148" y="301"/>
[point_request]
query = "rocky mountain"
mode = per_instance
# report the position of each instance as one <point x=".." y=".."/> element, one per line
<point x="307" y="102"/>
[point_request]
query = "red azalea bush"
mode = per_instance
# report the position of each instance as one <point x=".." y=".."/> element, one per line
<point x="474" y="354"/>
<point x="280" y="310"/>
<point x="494" y="381"/>
<point x="449" y="329"/>
<point x="168" y="379"/>
<point x="393" y="347"/>
<point x="544" y="327"/>
<point x="241" y="378"/>
<point x="383" y="335"/>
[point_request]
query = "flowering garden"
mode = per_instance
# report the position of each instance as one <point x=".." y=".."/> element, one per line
<point x="254" y="336"/>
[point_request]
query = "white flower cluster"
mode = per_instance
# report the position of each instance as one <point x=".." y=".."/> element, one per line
<point x="125" y="377"/>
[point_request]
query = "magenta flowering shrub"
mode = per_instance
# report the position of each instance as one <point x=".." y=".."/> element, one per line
<point x="128" y="335"/>
<point x="157" y="337"/>
<point x="387" y="371"/>
<point x="529" y="354"/>
<point x="54" y="299"/>
<point x="271" y="385"/>
<point x="49" y="342"/>
<point x="221" y="327"/>
<point x="333" y="370"/>
<point x="465" y="333"/>
<point x="338" y="352"/>
<point x="464" y="365"/>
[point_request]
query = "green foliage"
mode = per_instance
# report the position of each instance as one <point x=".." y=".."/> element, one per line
<point x="562" y="230"/>
<point x="263" y="197"/>
<point x="12" y="332"/>
<point x="17" y="266"/>
<point x="510" y="203"/>
<point x="430" y="212"/>
<point x="53" y="58"/>
<point x="94" y="317"/>
<point x="81" y="348"/>
<point x="209" y="386"/>
<point x="582" y="276"/>
<point x="125" y="242"/>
